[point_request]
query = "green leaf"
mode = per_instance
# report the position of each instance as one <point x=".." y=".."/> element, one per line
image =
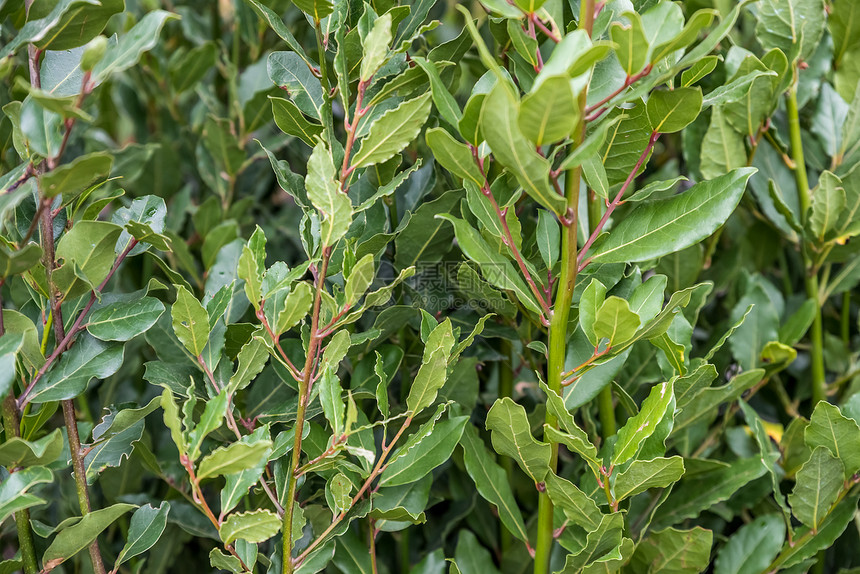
<point x="211" y="419"/>
<point x="445" y="102"/>
<point x="393" y="131"/>
<point x="222" y="561"/>
<point x="672" y="551"/>
<point x="121" y="321"/>
<point x="427" y="454"/>
<point x="360" y="278"/>
<point x="116" y="422"/>
<point x="252" y="359"/>
<point x="88" y="248"/>
<point x="511" y="148"/>
<point x="74" y="178"/>
<point x="626" y="140"/>
<point x="816" y="488"/>
<point x="15" y="262"/>
<point x="644" y="474"/>
<point x="324" y="192"/>
<point x="828" y="203"/>
<point x="375" y="46"/>
<point x="233" y="458"/>
<point x="146" y="527"/>
<point x="292" y="122"/>
<point x="453" y="155"/>
<point x="296" y="306"/>
<point x="17" y="452"/>
<point x="87" y="359"/>
<point x="704" y="404"/>
<point x="550" y="112"/>
<point x="257" y="526"/>
<point x="615" y="321"/>
<point x="841" y="435"/>
<point x="752" y="547"/>
<point x="793" y="26"/>
<point x="289" y="71"/>
<point x="511" y="436"/>
<point x="643" y="424"/>
<point x="496" y="268"/>
<point x="832" y="528"/>
<point x="433" y="371"/>
<point x="14" y="495"/>
<point x="600" y="541"/>
<point x="699" y="70"/>
<point x="71" y="540"/>
<point x="128" y="50"/>
<point x="697" y="493"/>
<point x="670" y="111"/>
<point x="548" y="238"/>
<point x="575" y="504"/>
<point x="632" y="50"/>
<point x="670" y="225"/>
<point x="275" y="23"/>
<point x="190" y="321"/>
<point x="491" y="481"/>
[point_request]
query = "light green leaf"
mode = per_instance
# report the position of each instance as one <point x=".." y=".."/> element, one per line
<point x="375" y="47"/>
<point x="234" y="458"/>
<point x="292" y="122"/>
<point x="429" y="453"/>
<point x="632" y="50"/>
<point x="128" y="50"/>
<point x="644" y="474"/>
<point x="121" y="321"/>
<point x="511" y="436"/>
<point x="433" y="371"/>
<point x="71" y="540"/>
<point x="190" y="321"/>
<point x="828" y="427"/>
<point x="147" y="525"/>
<point x="324" y="192"/>
<point x="14" y="495"/>
<point x="491" y="481"/>
<point x="393" y="131"/>
<point x="816" y="487"/>
<point x="615" y="321"/>
<point x="793" y="26"/>
<point x="453" y="155"/>
<point x="673" y="551"/>
<point x="670" y="111"/>
<point x="257" y="526"/>
<point x="577" y="506"/>
<point x="670" y="225"/>
<point x="550" y="112"/>
<point x="642" y="425"/>
<point x="510" y="147"/>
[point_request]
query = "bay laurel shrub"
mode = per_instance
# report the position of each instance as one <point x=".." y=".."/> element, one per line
<point x="341" y="286"/>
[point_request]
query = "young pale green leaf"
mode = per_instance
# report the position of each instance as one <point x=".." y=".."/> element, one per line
<point x="324" y="192"/>
<point x="445" y="102"/>
<point x="360" y="278"/>
<point x="600" y="541"/>
<point x="331" y="400"/>
<point x="828" y="202"/>
<point x="234" y="458"/>
<point x="393" y="131"/>
<point x="211" y="419"/>
<point x="190" y="321"/>
<point x="121" y="321"/>
<point x="704" y="404"/>
<point x="491" y="481"/>
<point x="172" y="421"/>
<point x="511" y="436"/>
<point x="69" y="541"/>
<point x="550" y="112"/>
<point x="632" y="50"/>
<point x="296" y="306"/>
<point x="699" y="70"/>
<point x="510" y="147"/>
<point x="147" y="525"/>
<point x="640" y="427"/>
<point x="615" y="321"/>
<point x="252" y="358"/>
<point x="670" y="111"/>
<point x="375" y="46"/>
<point x="644" y="474"/>
<point x="433" y="371"/>
<point x="816" y="488"/>
<point x="669" y="225"/>
<point x="595" y="176"/>
<point x="751" y="549"/>
<point x="548" y="238"/>
<point x="577" y="506"/>
<point x="590" y="304"/>
<point x="828" y="427"/>
<point x="429" y="453"/>
<point x="292" y="122"/>
<point x="453" y="155"/>
<point x="256" y="526"/>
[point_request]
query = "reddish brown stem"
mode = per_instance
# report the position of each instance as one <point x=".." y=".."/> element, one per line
<point x="540" y="26"/>
<point x="617" y="200"/>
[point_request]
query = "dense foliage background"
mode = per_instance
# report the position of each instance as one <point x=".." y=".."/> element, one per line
<point x="562" y="286"/>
